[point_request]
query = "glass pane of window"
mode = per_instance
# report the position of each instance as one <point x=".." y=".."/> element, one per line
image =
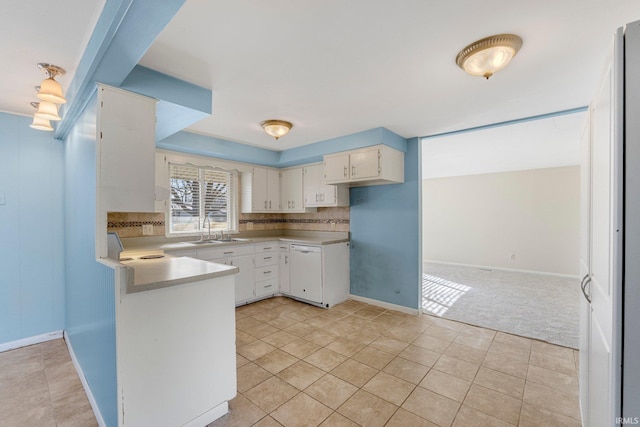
<point x="185" y="199"/>
<point x="215" y="188"/>
<point x="202" y="199"/>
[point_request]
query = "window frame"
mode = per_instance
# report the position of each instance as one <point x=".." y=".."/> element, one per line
<point x="232" y="203"/>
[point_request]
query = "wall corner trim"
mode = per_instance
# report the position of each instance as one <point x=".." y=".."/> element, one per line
<point x="85" y="384"/>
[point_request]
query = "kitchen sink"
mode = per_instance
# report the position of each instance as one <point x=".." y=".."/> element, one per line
<point x="214" y="241"/>
<point x="204" y="242"/>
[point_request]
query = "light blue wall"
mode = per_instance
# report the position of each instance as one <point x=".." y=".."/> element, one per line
<point x="192" y="143"/>
<point x="385" y="237"/>
<point x="90" y="293"/>
<point x="31" y="231"/>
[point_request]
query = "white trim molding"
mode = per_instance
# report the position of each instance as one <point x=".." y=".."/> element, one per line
<point x="37" y="339"/>
<point x="387" y="305"/>
<point x="85" y="385"/>
<point x="516" y="270"/>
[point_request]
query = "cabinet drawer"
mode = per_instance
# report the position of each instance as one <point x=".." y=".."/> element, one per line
<point x="224" y="252"/>
<point x="266" y="287"/>
<point x="284" y="247"/>
<point x="266" y="258"/>
<point x="267" y="273"/>
<point x="266" y="247"/>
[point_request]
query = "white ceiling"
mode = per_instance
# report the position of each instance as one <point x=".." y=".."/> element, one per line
<point x="544" y="143"/>
<point x="34" y="31"/>
<point x="336" y="67"/>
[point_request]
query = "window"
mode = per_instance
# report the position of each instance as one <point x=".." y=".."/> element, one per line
<point x="202" y="197"/>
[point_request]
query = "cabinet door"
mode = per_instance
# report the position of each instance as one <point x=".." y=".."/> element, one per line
<point x="336" y="168"/>
<point x="365" y="164"/>
<point x="273" y="189"/>
<point x="245" y="282"/>
<point x="284" y="269"/>
<point x="291" y="194"/>
<point x="126" y="151"/>
<point x="312" y="180"/>
<point x="327" y="195"/>
<point x="259" y="195"/>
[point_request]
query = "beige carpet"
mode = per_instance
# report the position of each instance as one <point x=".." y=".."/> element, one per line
<point x="537" y="306"/>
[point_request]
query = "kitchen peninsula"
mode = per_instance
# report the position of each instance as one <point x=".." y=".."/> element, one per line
<point x="175" y="340"/>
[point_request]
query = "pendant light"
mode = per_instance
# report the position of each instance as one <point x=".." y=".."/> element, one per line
<point x="276" y="128"/>
<point x="47" y="111"/>
<point x="489" y="55"/>
<point x="50" y="90"/>
<point x="40" y="123"/>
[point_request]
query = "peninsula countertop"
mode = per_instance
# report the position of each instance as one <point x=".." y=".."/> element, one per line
<point x="159" y="272"/>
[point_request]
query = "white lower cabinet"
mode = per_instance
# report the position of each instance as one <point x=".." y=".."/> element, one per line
<point x="285" y="287"/>
<point x="318" y="274"/>
<point x="240" y="256"/>
<point x="267" y="265"/>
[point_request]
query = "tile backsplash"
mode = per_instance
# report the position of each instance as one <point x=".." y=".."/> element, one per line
<point x="128" y="224"/>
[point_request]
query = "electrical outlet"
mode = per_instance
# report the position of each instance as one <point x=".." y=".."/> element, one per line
<point x="333" y="226"/>
<point x="249" y="225"/>
<point x="512" y="257"/>
<point x="147" y="229"/>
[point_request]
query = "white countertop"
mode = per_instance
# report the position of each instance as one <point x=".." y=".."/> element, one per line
<point x="170" y="271"/>
<point x="139" y="245"/>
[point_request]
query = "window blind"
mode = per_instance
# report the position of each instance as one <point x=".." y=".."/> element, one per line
<point x="202" y="198"/>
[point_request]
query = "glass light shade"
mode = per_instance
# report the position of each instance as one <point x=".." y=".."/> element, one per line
<point x="51" y="91"/>
<point x="487" y="62"/>
<point x="276" y="128"/>
<point x="487" y="56"/>
<point x="41" y="124"/>
<point x="47" y="111"/>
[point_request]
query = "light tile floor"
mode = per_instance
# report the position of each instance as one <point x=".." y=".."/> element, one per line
<point x="361" y="365"/>
<point x="352" y="365"/>
<point x="39" y="386"/>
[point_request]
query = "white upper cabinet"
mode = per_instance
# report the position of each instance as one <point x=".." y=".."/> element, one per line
<point x="374" y="165"/>
<point x="319" y="194"/>
<point x="291" y="190"/>
<point x="260" y="190"/>
<point x="126" y="126"/>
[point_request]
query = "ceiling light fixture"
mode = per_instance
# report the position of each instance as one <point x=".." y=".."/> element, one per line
<point x="276" y="128"/>
<point x="50" y="90"/>
<point x="489" y="55"/>
<point x="40" y="123"/>
<point x="47" y="111"/>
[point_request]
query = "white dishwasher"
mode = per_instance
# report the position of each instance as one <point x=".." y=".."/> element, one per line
<point x="306" y="272"/>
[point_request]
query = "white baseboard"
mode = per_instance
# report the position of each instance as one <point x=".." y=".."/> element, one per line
<point x="209" y="416"/>
<point x="11" y="345"/>
<point x="387" y="305"/>
<point x="515" y="270"/>
<point x="85" y="385"/>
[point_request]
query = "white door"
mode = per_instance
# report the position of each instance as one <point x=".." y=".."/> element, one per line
<point x="604" y="286"/>
<point x="259" y="190"/>
<point x="585" y="263"/>
<point x="285" y="288"/>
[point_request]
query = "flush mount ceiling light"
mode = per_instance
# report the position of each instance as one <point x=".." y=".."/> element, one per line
<point x="50" y="90"/>
<point x="489" y="55"/>
<point x="276" y="128"/>
<point x="39" y="123"/>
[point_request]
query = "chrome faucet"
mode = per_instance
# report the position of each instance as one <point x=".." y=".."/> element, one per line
<point x="207" y="219"/>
